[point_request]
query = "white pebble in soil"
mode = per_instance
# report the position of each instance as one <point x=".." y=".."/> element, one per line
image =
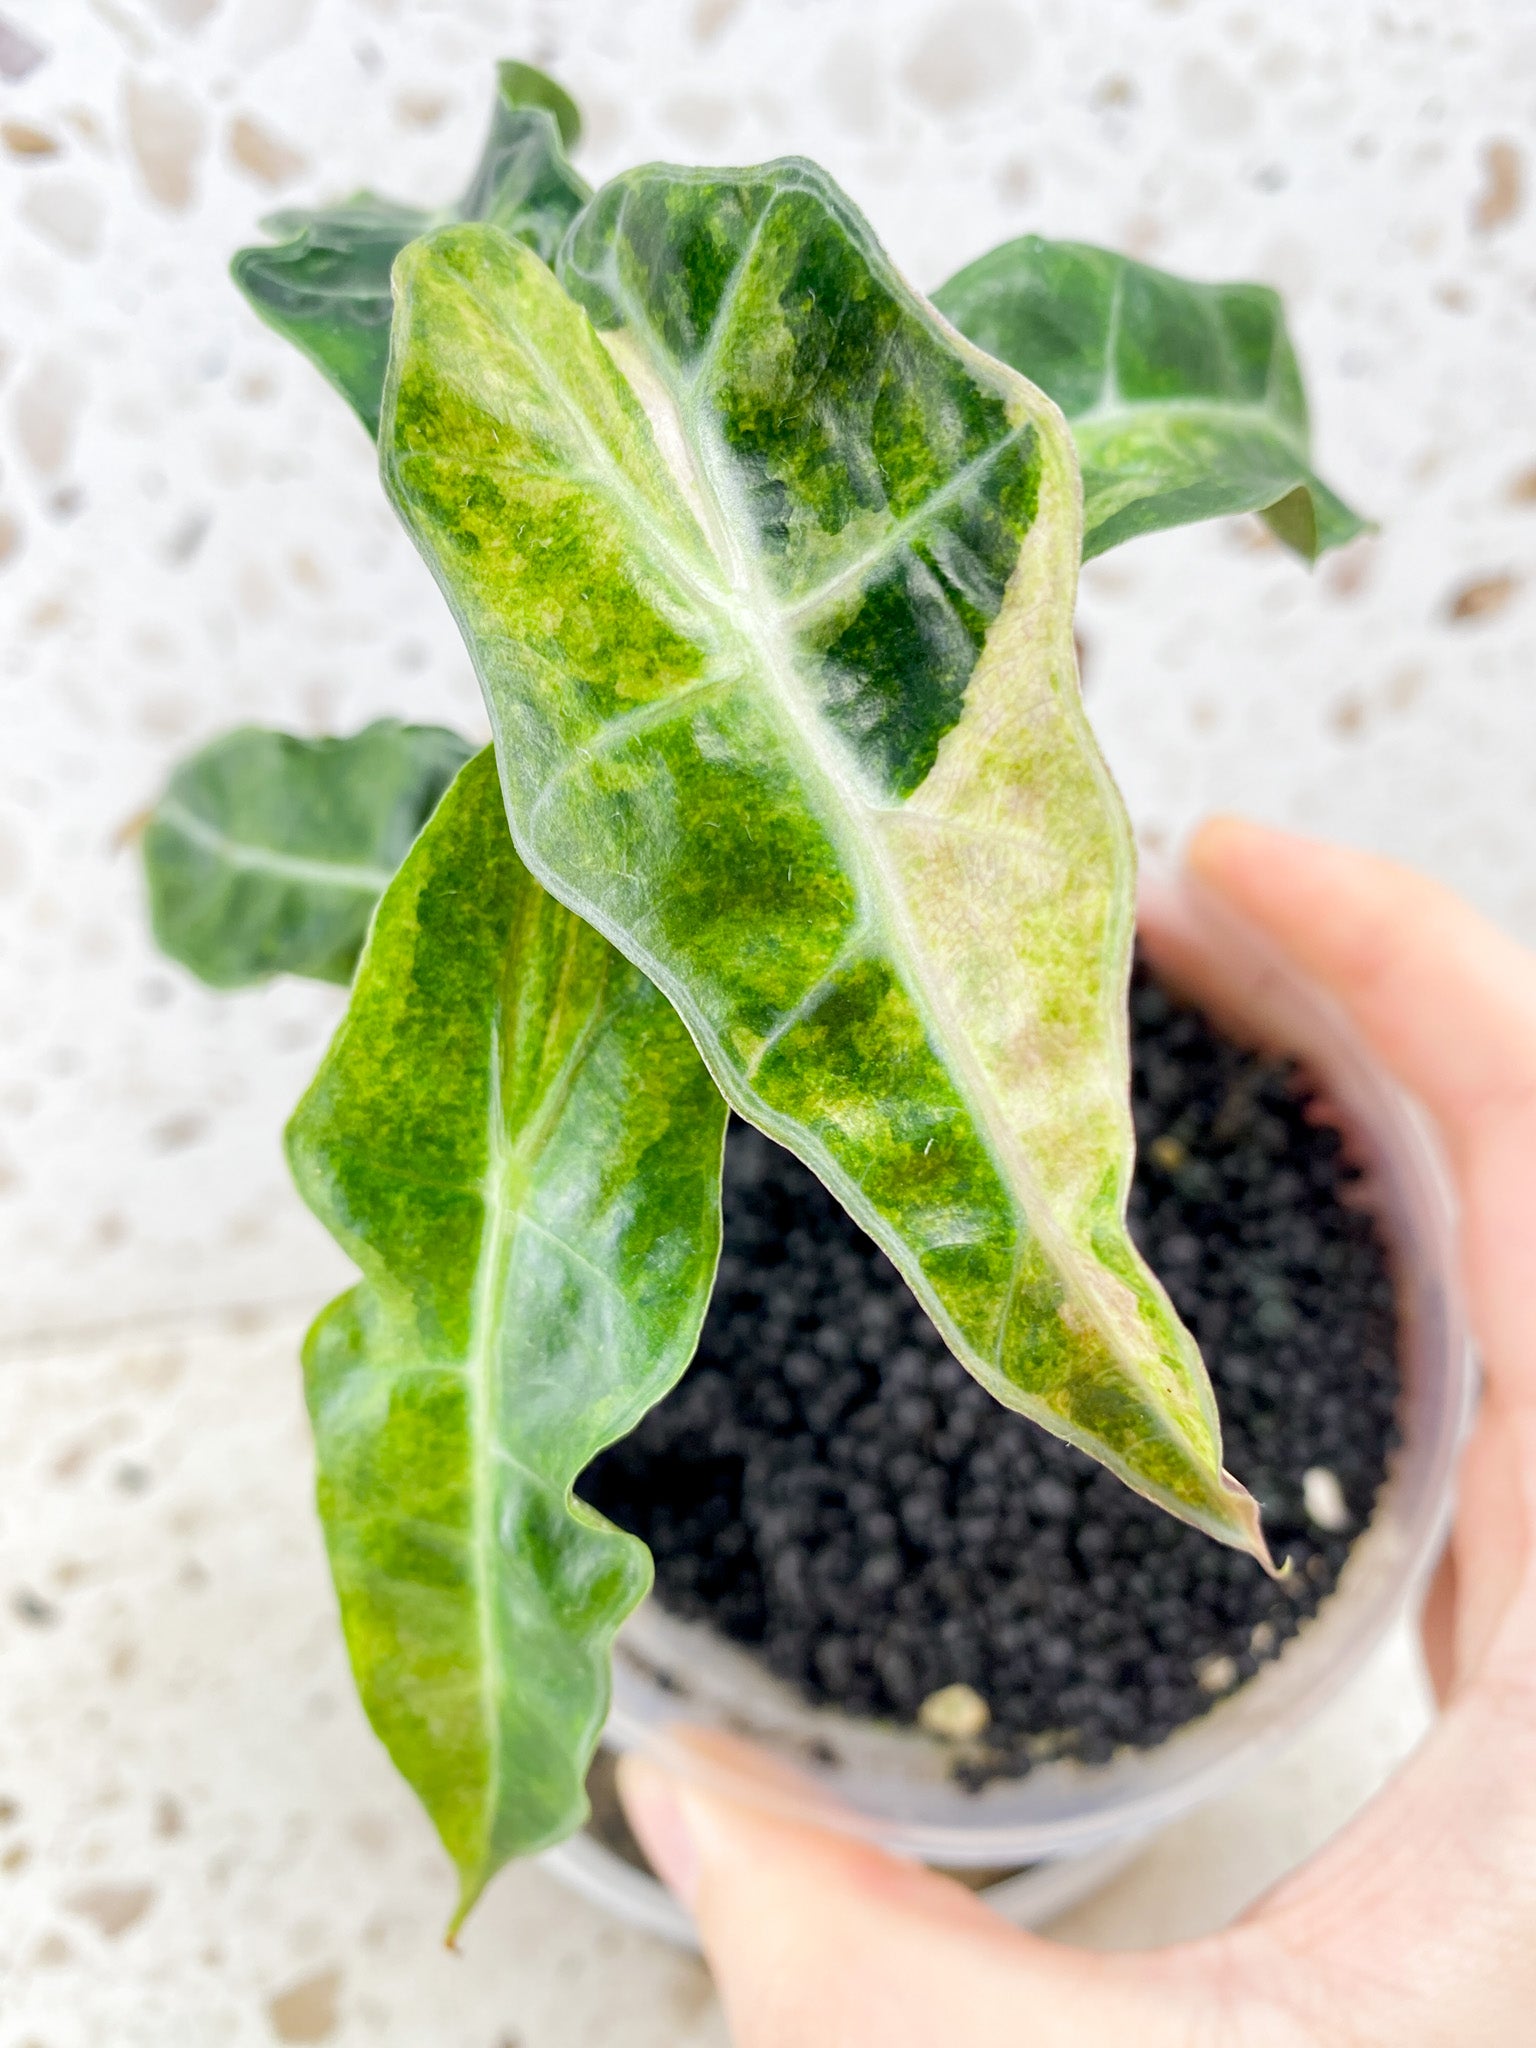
<point x="955" y="1713"/>
<point x="1217" y="1674"/>
<point x="1323" y="1498"/>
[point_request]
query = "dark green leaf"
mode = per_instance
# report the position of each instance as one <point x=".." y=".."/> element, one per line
<point x="514" y="1138"/>
<point x="267" y="853"/>
<point x="523" y="183"/>
<point x="777" y="642"/>
<point x="1185" y="399"/>
<point x="325" y="286"/>
<point x="521" y="85"/>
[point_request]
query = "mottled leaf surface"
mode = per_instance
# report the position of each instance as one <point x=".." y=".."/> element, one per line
<point x="770" y="588"/>
<point x="325" y="285"/>
<point x="267" y="852"/>
<point x="515" y="1139"/>
<point x="1186" y="401"/>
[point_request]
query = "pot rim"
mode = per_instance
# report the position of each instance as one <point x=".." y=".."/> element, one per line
<point x="893" y="1787"/>
<point x="1028" y="1898"/>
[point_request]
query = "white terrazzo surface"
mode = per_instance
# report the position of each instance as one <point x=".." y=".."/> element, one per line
<point x="191" y="535"/>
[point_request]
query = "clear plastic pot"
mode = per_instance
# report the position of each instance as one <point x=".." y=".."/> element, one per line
<point x="1067" y="1825"/>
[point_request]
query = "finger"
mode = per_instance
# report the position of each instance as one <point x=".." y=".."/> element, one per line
<point x="1448" y="1003"/>
<point x="1492" y="1548"/>
<point x="1428" y="1899"/>
<point x="819" y="1941"/>
<point x="1446" y="1000"/>
<point x="1421" y="1912"/>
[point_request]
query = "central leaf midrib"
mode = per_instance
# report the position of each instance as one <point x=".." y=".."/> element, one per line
<point x="489" y="1272"/>
<point x="504" y="1192"/>
<point x="868" y="859"/>
<point x="354" y="876"/>
<point x="1260" y="416"/>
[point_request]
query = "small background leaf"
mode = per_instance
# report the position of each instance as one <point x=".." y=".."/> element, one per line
<point x="326" y="287"/>
<point x="1185" y="399"/>
<point x="515" y="1139"/>
<point x="523" y="182"/>
<point x="267" y="852"/>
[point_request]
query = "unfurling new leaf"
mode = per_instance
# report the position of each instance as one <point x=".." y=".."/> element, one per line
<point x="514" y="1138"/>
<point x="1185" y="400"/>
<point x="325" y="286"/>
<point x="770" y="589"/>
<point x="267" y="852"/>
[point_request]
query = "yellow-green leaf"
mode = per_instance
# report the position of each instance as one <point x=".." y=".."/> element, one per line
<point x="514" y="1138"/>
<point x="770" y="588"/>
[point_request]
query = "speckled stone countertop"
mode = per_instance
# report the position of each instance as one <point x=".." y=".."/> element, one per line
<point x="200" y="1841"/>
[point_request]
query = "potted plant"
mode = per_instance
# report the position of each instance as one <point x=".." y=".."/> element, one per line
<point x="767" y="566"/>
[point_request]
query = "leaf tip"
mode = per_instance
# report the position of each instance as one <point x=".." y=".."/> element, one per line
<point x="524" y="85"/>
<point x="471" y="1885"/>
<point x="1245" y="1525"/>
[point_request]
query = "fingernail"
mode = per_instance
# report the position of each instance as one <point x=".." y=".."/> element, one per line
<point x="661" y="1825"/>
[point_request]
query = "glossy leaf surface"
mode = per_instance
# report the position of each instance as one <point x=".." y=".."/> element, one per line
<point x="514" y="1138"/>
<point x="325" y="286"/>
<point x="267" y="852"/>
<point x="1186" y="401"/>
<point x="776" y="632"/>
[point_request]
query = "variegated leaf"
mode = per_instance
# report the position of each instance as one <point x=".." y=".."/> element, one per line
<point x="770" y="587"/>
<point x="514" y="1138"/>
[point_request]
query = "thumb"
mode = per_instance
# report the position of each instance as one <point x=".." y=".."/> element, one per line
<point x="817" y="1940"/>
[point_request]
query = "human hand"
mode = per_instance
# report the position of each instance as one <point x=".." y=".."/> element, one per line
<point x="1416" y="1926"/>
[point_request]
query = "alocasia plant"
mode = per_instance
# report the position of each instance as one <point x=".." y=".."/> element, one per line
<point x="267" y="852"/>
<point x="769" y="577"/>
<point x="1185" y="399"/>
<point x="513" y="1137"/>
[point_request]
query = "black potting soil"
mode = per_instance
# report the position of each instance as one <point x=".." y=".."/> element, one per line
<point x="828" y="1486"/>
